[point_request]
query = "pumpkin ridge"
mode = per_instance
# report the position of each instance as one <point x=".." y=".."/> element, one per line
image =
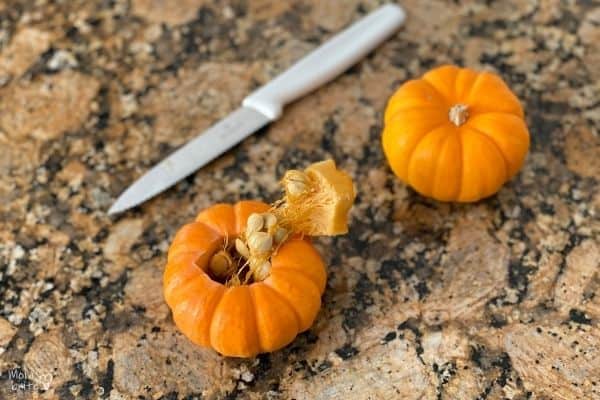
<point x="436" y="166"/>
<point x="438" y="161"/>
<point x="255" y="318"/>
<point x="397" y="101"/>
<point x="442" y="96"/>
<point x="412" y="108"/>
<point x="460" y="197"/>
<point x="498" y="149"/>
<point x="458" y="96"/>
<point x="190" y="252"/>
<point x="473" y="86"/>
<point x="518" y="135"/>
<point x="244" y="335"/>
<point x="442" y="120"/>
<point x="220" y="234"/>
<point x="193" y="316"/>
<point x="437" y="71"/>
<point x="211" y="220"/>
<point x="412" y="152"/>
<point x="212" y="315"/>
<point x="461" y="165"/>
<point x="283" y="268"/>
<point x="294" y="272"/>
<point x="391" y="135"/>
<point x="503" y="113"/>
<point x="287" y="303"/>
<point x="184" y="285"/>
<point x="507" y="93"/>
<point x="176" y="280"/>
<point x="315" y="266"/>
<point x="172" y="254"/>
<point x="214" y="308"/>
<point x="490" y="174"/>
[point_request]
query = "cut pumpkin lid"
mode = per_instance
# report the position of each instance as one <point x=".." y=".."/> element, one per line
<point x="318" y="199"/>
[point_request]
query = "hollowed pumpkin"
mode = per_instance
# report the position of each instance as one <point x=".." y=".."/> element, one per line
<point x="248" y="319"/>
<point x="245" y="279"/>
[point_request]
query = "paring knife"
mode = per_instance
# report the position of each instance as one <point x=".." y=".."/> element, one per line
<point x="266" y="103"/>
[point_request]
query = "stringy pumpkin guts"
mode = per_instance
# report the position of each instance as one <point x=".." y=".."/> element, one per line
<point x="316" y="202"/>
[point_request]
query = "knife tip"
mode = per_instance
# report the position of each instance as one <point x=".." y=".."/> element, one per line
<point x="117" y="208"/>
<point x="112" y="210"/>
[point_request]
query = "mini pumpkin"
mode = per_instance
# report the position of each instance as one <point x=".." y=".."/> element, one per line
<point x="455" y="134"/>
<point x="245" y="279"/>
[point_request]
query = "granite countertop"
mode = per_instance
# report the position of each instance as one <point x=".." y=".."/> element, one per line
<point x="425" y="300"/>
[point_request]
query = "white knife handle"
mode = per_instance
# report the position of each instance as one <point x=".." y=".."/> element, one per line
<point x="327" y="61"/>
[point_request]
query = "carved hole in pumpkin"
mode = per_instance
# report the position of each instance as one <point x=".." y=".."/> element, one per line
<point x="228" y="267"/>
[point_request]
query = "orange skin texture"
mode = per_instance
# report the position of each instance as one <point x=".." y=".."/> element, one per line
<point x="455" y="163"/>
<point x="245" y="320"/>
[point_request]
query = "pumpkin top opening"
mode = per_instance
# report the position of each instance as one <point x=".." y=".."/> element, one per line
<point x="458" y="114"/>
<point x="226" y="263"/>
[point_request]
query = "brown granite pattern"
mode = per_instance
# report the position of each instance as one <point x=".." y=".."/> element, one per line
<point x="498" y="299"/>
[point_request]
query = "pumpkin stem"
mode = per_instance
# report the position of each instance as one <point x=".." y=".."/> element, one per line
<point x="458" y="114"/>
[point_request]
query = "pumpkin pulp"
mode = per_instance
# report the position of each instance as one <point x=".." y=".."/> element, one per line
<point x="246" y="258"/>
<point x="316" y="201"/>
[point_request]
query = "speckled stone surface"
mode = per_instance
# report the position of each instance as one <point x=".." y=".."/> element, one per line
<point x="498" y="299"/>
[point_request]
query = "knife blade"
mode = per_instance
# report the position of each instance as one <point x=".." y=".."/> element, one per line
<point x="266" y="103"/>
<point x="199" y="151"/>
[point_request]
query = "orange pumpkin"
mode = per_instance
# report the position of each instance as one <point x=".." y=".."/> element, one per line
<point x="455" y="134"/>
<point x="245" y="319"/>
